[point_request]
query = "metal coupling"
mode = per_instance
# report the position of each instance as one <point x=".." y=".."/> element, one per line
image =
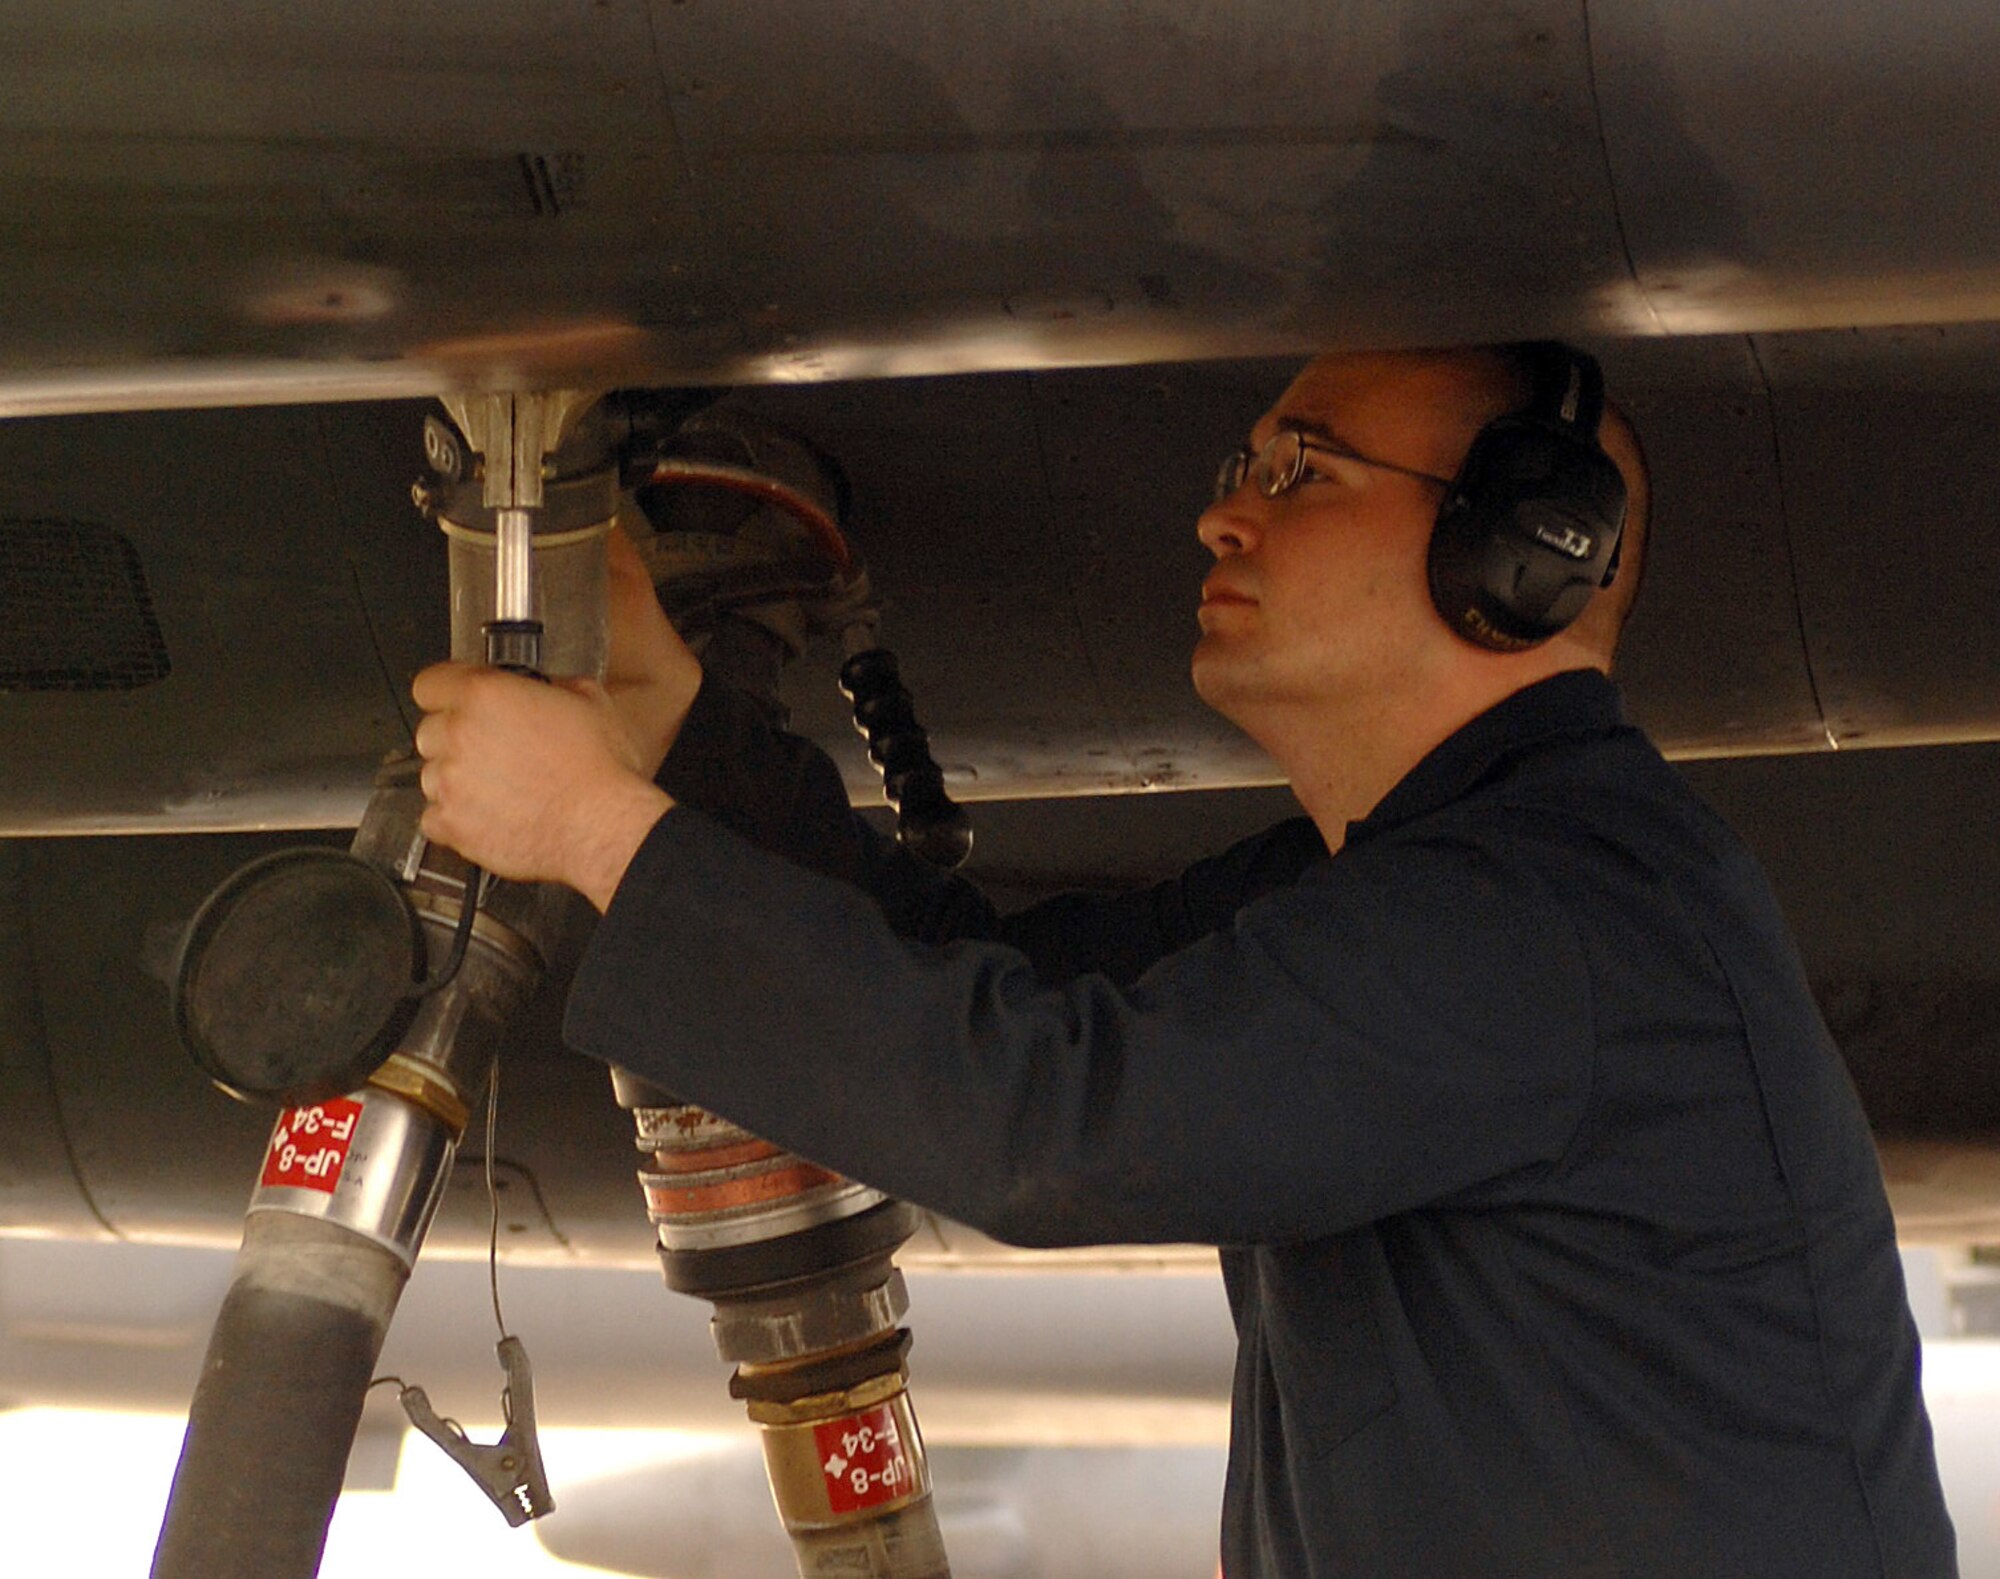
<point x="847" y="1307"/>
<point x="850" y="1478"/>
<point x="373" y="1163"/>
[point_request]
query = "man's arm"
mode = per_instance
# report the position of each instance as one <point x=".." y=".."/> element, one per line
<point x="1386" y="1032"/>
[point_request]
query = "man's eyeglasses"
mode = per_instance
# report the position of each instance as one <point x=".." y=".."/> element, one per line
<point x="1281" y="465"/>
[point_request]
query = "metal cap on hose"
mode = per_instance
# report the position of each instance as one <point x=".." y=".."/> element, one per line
<point x="297" y="977"/>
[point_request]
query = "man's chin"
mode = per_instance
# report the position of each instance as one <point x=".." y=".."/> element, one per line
<point x="1218" y="680"/>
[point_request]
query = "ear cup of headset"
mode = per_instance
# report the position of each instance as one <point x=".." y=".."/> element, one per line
<point x="1528" y="532"/>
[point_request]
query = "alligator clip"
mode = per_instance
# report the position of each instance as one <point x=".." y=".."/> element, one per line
<point x="510" y="1471"/>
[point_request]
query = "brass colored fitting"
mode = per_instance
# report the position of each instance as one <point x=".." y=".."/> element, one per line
<point x="428" y="1087"/>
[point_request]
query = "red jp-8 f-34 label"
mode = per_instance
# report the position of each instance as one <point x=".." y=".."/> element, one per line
<point x="864" y="1459"/>
<point x="309" y="1146"/>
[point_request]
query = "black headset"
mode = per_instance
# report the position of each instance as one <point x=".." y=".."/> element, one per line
<point x="1532" y="524"/>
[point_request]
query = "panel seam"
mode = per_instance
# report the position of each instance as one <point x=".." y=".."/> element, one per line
<point x="397" y="699"/>
<point x="1770" y="400"/>
<point x="1610" y="174"/>
<point x="33" y="961"/>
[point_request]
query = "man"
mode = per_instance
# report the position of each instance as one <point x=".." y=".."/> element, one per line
<point x="1548" y="1216"/>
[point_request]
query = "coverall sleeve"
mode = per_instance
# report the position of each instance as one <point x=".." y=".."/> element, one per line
<point x="1405" y="1022"/>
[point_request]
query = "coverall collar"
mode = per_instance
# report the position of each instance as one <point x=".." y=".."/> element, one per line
<point x="1576" y="702"/>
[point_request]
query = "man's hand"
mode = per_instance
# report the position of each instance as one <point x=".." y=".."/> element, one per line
<point x="651" y="677"/>
<point x="533" y="781"/>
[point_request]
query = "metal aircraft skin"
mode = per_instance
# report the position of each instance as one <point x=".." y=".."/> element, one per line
<point x="1026" y="271"/>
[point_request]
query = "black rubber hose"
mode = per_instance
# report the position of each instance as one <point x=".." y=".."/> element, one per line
<point x="274" y="1415"/>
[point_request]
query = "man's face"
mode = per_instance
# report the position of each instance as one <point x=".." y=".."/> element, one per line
<point x="1318" y="598"/>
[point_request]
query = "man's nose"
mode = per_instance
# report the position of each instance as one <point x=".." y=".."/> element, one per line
<point x="1226" y="527"/>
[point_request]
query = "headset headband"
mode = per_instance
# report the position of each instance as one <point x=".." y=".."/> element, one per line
<point x="1568" y="387"/>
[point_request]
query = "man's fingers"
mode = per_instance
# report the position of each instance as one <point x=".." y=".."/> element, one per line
<point x="467" y="687"/>
<point x="429" y="738"/>
<point x="431" y="826"/>
<point x="441" y="684"/>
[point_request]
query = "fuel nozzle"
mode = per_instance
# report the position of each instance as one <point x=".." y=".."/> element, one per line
<point x="525" y="489"/>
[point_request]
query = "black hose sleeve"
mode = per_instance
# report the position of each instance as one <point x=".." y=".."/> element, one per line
<point x="273" y="1419"/>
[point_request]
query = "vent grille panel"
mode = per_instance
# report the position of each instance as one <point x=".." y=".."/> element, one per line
<point x="75" y="611"/>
